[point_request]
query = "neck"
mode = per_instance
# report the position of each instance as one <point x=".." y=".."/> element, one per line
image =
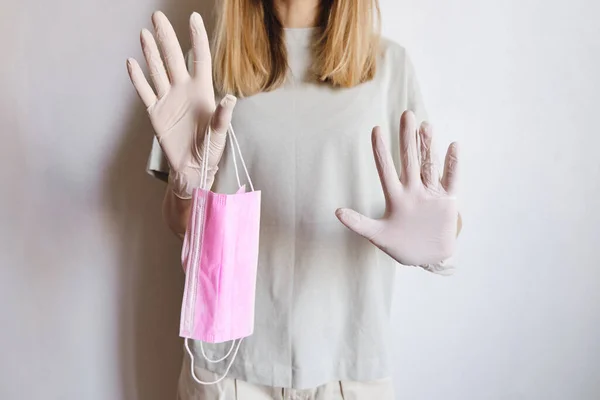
<point x="297" y="13"/>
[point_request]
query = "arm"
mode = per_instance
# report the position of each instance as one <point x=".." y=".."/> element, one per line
<point x="176" y="212"/>
<point x="421" y="220"/>
<point x="181" y="107"/>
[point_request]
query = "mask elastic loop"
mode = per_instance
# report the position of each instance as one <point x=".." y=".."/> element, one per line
<point x="187" y="348"/>
<point x="235" y="167"/>
<point x="230" y="131"/>
<point x="204" y="176"/>
<point x="237" y="145"/>
<point x="210" y="360"/>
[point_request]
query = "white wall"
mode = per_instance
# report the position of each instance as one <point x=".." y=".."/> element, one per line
<point x="89" y="286"/>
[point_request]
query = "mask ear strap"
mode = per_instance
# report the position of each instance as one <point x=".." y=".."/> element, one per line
<point x="187" y="348"/>
<point x="233" y="157"/>
<point x="234" y="146"/>
<point x="210" y="360"/>
<point x="204" y="176"/>
<point x="237" y="146"/>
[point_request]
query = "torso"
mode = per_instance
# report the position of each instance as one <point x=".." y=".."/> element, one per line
<point x="323" y="293"/>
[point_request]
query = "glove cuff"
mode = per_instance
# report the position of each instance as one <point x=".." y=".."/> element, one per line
<point x="441" y="268"/>
<point x="183" y="184"/>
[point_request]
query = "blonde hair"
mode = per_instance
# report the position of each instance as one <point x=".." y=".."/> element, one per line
<point x="250" y="54"/>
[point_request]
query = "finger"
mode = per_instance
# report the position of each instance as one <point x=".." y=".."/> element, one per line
<point x="411" y="170"/>
<point x="219" y="124"/>
<point x="450" y="178"/>
<point x="385" y="166"/>
<point x="201" y="51"/>
<point x="140" y="83"/>
<point x="156" y="67"/>
<point x="171" y="50"/>
<point x="222" y="116"/>
<point x="358" y="223"/>
<point x="428" y="170"/>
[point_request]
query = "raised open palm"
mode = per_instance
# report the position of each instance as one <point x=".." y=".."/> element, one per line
<point x="420" y="221"/>
<point x="181" y="106"/>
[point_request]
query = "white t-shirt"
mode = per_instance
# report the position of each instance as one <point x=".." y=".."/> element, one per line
<point x="323" y="294"/>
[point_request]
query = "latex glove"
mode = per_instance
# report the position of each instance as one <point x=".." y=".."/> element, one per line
<point x="419" y="226"/>
<point x="183" y="106"/>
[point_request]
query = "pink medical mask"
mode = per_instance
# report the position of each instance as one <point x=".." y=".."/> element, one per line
<point x="220" y="257"/>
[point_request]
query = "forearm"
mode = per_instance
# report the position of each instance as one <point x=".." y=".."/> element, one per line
<point x="176" y="212"/>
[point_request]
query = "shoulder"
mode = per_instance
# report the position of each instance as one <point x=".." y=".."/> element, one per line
<point x="396" y="71"/>
<point x="394" y="56"/>
<point x="394" y="67"/>
<point x="391" y="48"/>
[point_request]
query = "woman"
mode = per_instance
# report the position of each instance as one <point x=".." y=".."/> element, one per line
<point x="313" y="78"/>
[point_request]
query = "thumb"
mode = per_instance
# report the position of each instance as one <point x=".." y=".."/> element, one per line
<point x="222" y="116"/>
<point x="358" y="223"/>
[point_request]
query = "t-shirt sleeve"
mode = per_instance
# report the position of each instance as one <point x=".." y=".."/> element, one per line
<point x="157" y="165"/>
<point x="404" y="90"/>
<point x="414" y="98"/>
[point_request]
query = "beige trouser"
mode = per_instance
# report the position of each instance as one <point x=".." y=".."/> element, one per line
<point x="234" y="389"/>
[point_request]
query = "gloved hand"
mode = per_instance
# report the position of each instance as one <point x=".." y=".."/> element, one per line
<point x="183" y="107"/>
<point x="419" y="226"/>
